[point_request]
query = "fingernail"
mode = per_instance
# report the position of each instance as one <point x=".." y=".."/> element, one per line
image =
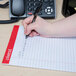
<point x="26" y="33"/>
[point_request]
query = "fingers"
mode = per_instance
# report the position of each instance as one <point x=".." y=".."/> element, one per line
<point x="33" y="33"/>
<point x="30" y="28"/>
<point x="27" y="21"/>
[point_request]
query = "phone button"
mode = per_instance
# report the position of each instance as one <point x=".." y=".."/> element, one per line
<point x="29" y="9"/>
<point x="29" y="13"/>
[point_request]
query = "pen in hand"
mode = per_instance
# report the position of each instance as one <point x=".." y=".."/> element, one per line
<point x="35" y="15"/>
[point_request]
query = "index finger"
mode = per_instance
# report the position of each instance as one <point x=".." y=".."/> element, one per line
<point x="28" y="20"/>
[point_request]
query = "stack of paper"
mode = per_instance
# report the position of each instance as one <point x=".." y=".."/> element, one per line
<point x="45" y="53"/>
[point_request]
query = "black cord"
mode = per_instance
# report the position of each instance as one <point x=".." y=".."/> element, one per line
<point x="8" y="21"/>
<point x="4" y="5"/>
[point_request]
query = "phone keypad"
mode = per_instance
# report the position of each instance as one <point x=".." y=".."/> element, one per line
<point x="47" y="11"/>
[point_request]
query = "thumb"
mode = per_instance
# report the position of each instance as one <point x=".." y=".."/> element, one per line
<point x="30" y="27"/>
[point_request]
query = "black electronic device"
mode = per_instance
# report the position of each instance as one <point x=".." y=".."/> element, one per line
<point x="20" y="9"/>
<point x="25" y="8"/>
<point x="69" y="7"/>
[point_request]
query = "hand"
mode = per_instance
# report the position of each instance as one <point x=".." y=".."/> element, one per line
<point x="62" y="28"/>
<point x="39" y="27"/>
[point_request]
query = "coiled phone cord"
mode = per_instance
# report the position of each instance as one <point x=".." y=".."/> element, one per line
<point x="4" y="5"/>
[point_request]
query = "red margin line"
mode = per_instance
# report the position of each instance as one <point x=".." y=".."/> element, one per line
<point x="10" y="46"/>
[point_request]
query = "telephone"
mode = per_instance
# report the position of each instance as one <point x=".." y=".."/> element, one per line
<point x="20" y="9"/>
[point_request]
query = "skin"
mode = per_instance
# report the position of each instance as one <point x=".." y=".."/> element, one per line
<point x="62" y="28"/>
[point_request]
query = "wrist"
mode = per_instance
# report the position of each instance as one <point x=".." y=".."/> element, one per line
<point x="51" y="30"/>
<point x="54" y="30"/>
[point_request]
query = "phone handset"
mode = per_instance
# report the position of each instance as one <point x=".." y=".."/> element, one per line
<point x="18" y="7"/>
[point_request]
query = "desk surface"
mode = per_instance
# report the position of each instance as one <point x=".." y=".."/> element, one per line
<point x="5" y="32"/>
